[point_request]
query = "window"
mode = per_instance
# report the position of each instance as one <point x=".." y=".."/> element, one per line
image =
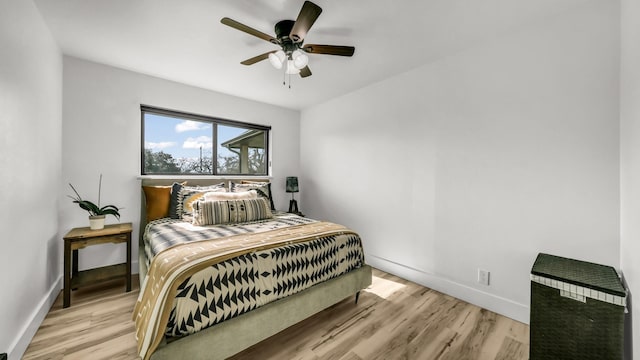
<point x="177" y="143"/>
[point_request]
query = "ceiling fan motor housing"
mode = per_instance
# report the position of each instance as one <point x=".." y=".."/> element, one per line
<point x="282" y="30"/>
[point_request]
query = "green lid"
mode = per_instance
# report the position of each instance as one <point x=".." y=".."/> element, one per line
<point x="593" y="276"/>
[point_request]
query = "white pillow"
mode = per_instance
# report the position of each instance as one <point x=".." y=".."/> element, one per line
<point x="221" y="196"/>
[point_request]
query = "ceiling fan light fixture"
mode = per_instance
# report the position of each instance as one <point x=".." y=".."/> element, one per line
<point x="291" y="68"/>
<point x="300" y="59"/>
<point x="277" y="59"/>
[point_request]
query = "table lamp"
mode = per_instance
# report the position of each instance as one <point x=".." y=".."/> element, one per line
<point x="292" y="187"/>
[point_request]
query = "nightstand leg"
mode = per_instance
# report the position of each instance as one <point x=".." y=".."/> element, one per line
<point x="74" y="266"/>
<point x="67" y="275"/>
<point x="129" y="262"/>
<point x="74" y="263"/>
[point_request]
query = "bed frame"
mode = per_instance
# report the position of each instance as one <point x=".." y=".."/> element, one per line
<point x="234" y="335"/>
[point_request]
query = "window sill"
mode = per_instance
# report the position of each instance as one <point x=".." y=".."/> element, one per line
<point x="204" y="177"/>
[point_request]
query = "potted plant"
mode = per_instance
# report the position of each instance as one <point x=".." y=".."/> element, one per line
<point x="97" y="214"/>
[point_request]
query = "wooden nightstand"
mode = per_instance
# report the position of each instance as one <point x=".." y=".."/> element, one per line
<point x="80" y="238"/>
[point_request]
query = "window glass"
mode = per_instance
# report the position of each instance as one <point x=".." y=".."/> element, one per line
<point x="186" y="144"/>
<point x="241" y="151"/>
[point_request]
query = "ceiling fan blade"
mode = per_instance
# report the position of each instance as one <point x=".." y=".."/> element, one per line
<point x="305" y="71"/>
<point x="258" y="58"/>
<point x="308" y="15"/>
<point x="249" y="30"/>
<point x="329" y="49"/>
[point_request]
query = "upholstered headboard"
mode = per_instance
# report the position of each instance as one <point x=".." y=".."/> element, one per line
<point x="189" y="182"/>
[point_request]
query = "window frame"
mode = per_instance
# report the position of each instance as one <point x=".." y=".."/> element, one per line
<point x="214" y="121"/>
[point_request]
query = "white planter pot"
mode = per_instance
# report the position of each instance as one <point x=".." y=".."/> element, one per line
<point x="96" y="222"/>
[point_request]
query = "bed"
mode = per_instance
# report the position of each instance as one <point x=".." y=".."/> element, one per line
<point x="211" y="287"/>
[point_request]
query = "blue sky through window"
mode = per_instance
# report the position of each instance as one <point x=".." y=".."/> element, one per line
<point x="182" y="138"/>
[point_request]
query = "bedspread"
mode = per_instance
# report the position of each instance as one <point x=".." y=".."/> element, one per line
<point x="164" y="233"/>
<point x="217" y="279"/>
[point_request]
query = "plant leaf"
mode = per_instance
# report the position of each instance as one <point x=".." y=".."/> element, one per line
<point x="88" y="206"/>
<point x="110" y="210"/>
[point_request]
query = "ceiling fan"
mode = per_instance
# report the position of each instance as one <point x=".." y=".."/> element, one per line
<point x="289" y="36"/>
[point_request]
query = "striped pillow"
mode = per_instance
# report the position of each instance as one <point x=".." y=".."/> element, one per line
<point x="231" y="211"/>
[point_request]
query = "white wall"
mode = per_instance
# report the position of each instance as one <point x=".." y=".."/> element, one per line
<point x="30" y="141"/>
<point x="482" y="159"/>
<point x="630" y="160"/>
<point x="101" y="134"/>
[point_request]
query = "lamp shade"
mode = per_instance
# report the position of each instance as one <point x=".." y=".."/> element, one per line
<point x="277" y="59"/>
<point x="292" y="184"/>
<point x="300" y="59"/>
<point x="291" y="68"/>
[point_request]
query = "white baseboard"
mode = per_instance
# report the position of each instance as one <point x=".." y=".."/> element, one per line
<point x="25" y="335"/>
<point x="497" y="304"/>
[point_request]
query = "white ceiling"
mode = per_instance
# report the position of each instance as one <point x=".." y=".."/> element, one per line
<point x="184" y="41"/>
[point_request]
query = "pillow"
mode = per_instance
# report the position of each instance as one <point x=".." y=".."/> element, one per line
<point x="189" y="194"/>
<point x="173" y="203"/>
<point x="262" y="188"/>
<point x="231" y="211"/>
<point x="223" y="196"/>
<point x="157" y="201"/>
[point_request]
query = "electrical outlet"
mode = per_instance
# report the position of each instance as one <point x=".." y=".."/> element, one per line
<point x="483" y="277"/>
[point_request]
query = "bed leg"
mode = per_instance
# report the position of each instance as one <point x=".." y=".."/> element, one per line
<point x="357" y="297"/>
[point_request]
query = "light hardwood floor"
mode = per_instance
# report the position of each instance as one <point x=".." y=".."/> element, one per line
<point x="394" y="319"/>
